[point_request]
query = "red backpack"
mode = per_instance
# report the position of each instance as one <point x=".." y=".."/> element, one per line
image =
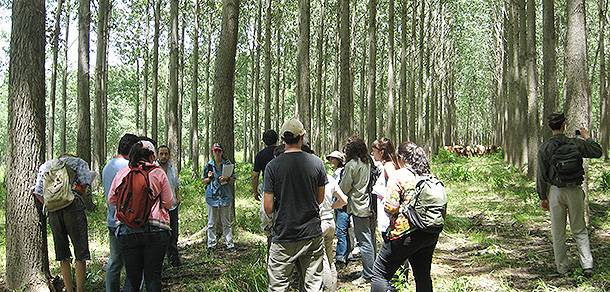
<point x="135" y="197"/>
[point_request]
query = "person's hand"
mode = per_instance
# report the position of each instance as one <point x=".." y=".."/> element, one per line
<point x="390" y="206"/>
<point x="223" y="178"/>
<point x="584" y="133"/>
<point x="544" y="204"/>
<point x="257" y="195"/>
<point x="210" y="174"/>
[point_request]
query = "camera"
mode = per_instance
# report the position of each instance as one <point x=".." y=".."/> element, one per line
<point x="577" y="133"/>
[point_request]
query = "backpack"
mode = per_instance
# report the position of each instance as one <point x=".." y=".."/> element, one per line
<point x="566" y="166"/>
<point x="135" y="197"/>
<point x="58" y="184"/>
<point x="428" y="207"/>
<point x="373" y="176"/>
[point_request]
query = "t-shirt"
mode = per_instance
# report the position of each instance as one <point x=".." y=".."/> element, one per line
<point x="262" y="158"/>
<point x="294" y="178"/>
<point x="326" y="208"/>
<point x="110" y="170"/>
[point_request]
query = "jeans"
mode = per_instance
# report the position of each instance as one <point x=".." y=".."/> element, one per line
<point x="343" y="243"/>
<point x="115" y="264"/>
<point x="172" y="247"/>
<point x="418" y="248"/>
<point x="144" y="252"/>
<point x="364" y="230"/>
<point x="564" y="201"/>
<point x="225" y="218"/>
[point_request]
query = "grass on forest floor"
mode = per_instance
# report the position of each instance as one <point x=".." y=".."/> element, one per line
<point x="497" y="238"/>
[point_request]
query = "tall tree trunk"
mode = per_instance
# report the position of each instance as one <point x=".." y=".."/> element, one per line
<point x="412" y="98"/>
<point x="577" y="100"/>
<point x="146" y="73"/>
<point x="403" y="72"/>
<point x="603" y="83"/>
<point x="303" y="110"/>
<point x="194" y="130"/>
<point x="371" y="123"/>
<point x="208" y="109"/>
<point x="346" y="109"/>
<point x="55" y="48"/>
<point x="268" y="37"/>
<point x="224" y="79"/>
<point x="257" y="70"/>
<point x="391" y="124"/>
<point x="100" y="64"/>
<point x="549" y="59"/>
<point x="138" y="99"/>
<point x="334" y="134"/>
<point x="64" y="86"/>
<point x="179" y="151"/>
<point x="155" y="77"/>
<point x="420" y="89"/>
<point x="533" y="126"/>
<point x="277" y="77"/>
<point x="83" y="142"/>
<point x="363" y="88"/>
<point x="172" y="97"/>
<point x="26" y="232"/>
<point x="319" y="63"/>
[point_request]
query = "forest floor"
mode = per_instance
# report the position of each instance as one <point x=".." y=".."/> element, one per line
<point x="497" y="238"/>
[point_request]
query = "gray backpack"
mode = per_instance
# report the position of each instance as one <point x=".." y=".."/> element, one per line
<point x="428" y="207"/>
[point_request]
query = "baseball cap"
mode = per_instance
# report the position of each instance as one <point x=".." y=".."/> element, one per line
<point x="292" y="128"/>
<point x="216" y="146"/>
<point x="148" y="145"/>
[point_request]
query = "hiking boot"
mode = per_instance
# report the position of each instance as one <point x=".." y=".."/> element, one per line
<point x="588" y="272"/>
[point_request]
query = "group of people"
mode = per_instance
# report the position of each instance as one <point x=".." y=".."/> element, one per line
<point x="298" y="201"/>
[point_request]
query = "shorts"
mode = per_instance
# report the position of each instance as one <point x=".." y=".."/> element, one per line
<point x="70" y="221"/>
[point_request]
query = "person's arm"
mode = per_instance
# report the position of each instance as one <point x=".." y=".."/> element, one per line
<point x="588" y="147"/>
<point x="207" y="176"/>
<point x="178" y="201"/>
<point x="255" y="177"/>
<point x="346" y="179"/>
<point x="268" y="202"/>
<point x="320" y="196"/>
<point x="341" y="199"/>
<point x="167" y="195"/>
<point x="542" y="182"/>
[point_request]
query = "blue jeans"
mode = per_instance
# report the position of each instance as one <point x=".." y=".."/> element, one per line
<point x="115" y="264"/>
<point x="172" y="247"/>
<point x="364" y="230"/>
<point x="144" y="252"/>
<point x="417" y="247"/>
<point x="343" y="243"/>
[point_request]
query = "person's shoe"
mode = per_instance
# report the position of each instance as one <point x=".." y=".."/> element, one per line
<point x="361" y="281"/>
<point x="340" y="265"/>
<point x="588" y="272"/>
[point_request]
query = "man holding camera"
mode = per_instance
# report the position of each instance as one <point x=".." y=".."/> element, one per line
<point x="559" y="185"/>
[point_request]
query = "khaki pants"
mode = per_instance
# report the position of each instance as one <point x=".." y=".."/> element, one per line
<point x="562" y="202"/>
<point x="329" y="277"/>
<point x="306" y="255"/>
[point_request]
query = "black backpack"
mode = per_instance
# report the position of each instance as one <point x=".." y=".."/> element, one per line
<point x="566" y="166"/>
<point x="373" y="176"/>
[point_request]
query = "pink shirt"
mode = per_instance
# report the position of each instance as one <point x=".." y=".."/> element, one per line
<point x="159" y="185"/>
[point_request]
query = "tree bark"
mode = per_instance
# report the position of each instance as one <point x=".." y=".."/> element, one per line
<point x="55" y="49"/>
<point x="412" y="98"/>
<point x="303" y="109"/>
<point x="549" y="59"/>
<point x="403" y="72"/>
<point x="172" y="97"/>
<point x="603" y="83"/>
<point x="268" y="68"/>
<point x="155" y="76"/>
<point x="26" y="233"/>
<point x="83" y="144"/>
<point x="371" y="123"/>
<point x="346" y="109"/>
<point x="102" y="30"/>
<point x="391" y="124"/>
<point x="194" y="129"/>
<point x="146" y="73"/>
<point x="224" y="79"/>
<point x="64" y="85"/>
<point x="533" y="124"/>
<point x="319" y="63"/>
<point x="257" y="83"/>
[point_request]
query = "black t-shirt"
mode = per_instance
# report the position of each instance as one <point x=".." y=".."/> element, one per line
<point x="262" y="158"/>
<point x="294" y="178"/>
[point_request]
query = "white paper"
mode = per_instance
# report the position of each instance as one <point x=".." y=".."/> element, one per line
<point x="227" y="170"/>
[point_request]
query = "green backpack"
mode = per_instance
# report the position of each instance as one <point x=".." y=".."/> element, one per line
<point x="58" y="183"/>
<point x="428" y="207"/>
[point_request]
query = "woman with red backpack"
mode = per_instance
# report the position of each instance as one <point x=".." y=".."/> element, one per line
<point x="142" y="188"/>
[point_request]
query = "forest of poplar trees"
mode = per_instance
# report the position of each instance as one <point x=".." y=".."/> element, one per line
<point x="188" y="73"/>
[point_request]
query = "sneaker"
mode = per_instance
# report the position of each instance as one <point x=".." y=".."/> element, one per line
<point x="588" y="272"/>
<point x="361" y="281"/>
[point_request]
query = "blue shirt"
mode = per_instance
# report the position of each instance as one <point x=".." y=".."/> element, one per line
<point x="174" y="182"/>
<point x="216" y="194"/>
<point x="110" y="170"/>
